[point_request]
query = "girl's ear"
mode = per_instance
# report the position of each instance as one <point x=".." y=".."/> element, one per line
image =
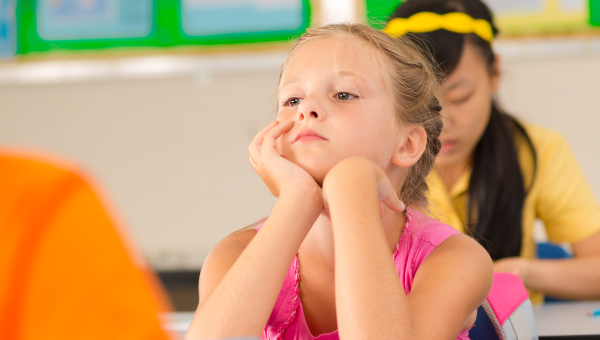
<point x="409" y="153"/>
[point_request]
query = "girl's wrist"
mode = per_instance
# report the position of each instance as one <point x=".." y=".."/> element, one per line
<point x="305" y="196"/>
<point x="350" y="175"/>
<point x="526" y="270"/>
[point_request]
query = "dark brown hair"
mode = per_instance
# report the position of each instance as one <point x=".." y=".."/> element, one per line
<point x="496" y="189"/>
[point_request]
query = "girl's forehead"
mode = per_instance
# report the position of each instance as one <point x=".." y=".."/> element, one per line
<point x="334" y="54"/>
<point x="336" y="46"/>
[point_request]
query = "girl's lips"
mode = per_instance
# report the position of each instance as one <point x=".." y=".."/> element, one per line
<point x="308" y="136"/>
<point x="447" y="147"/>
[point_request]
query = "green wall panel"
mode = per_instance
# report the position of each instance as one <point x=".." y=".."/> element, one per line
<point x="595" y="12"/>
<point x="378" y="11"/>
<point x="165" y="30"/>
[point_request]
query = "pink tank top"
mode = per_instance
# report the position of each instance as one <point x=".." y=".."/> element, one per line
<point x="421" y="235"/>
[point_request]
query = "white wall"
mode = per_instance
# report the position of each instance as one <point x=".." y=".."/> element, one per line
<point x="170" y="152"/>
<point x="555" y="82"/>
<point x="170" y="147"/>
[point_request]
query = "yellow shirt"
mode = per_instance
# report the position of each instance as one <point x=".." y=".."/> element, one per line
<point x="560" y="197"/>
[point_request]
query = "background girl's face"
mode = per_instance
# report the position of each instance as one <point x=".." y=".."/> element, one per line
<point x="467" y="95"/>
<point x="334" y="90"/>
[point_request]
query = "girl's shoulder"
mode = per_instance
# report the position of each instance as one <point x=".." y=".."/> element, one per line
<point x="427" y="229"/>
<point x="429" y="246"/>
<point x="233" y="244"/>
<point x="542" y="138"/>
<point x="222" y="257"/>
<point x="551" y="150"/>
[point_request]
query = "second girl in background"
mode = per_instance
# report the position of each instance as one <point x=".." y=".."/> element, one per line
<point x="495" y="174"/>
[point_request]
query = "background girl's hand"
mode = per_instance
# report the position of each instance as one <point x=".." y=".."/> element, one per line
<point x="515" y="265"/>
<point x="276" y="171"/>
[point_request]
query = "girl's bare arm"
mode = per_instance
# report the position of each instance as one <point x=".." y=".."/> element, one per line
<point x="241" y="279"/>
<point x="576" y="278"/>
<point x="370" y="299"/>
<point x="239" y="287"/>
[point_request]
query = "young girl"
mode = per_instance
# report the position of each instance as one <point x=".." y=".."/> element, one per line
<point x="340" y="256"/>
<point x="495" y="175"/>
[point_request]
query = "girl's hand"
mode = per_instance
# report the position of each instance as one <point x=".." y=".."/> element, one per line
<point x="277" y="172"/>
<point x="515" y="265"/>
<point x="353" y="174"/>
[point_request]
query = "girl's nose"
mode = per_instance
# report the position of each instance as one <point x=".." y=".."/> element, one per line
<point x="312" y="114"/>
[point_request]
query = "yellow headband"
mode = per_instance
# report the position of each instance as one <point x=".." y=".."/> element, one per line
<point x="427" y="22"/>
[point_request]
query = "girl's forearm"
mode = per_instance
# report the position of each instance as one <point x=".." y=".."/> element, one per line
<point x="242" y="302"/>
<point x="577" y="278"/>
<point x="370" y="300"/>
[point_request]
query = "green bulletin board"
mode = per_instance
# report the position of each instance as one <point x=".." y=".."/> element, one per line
<point x="595" y="12"/>
<point x="379" y="11"/>
<point x="51" y="25"/>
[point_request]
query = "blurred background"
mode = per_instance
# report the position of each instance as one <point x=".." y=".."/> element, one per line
<point x="159" y="99"/>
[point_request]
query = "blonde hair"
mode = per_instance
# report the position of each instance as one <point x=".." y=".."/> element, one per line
<point x="413" y="79"/>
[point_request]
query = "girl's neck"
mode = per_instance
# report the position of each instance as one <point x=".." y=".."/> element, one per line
<point x="450" y="173"/>
<point x="318" y="244"/>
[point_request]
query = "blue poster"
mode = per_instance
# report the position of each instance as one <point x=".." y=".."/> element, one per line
<point x="214" y="17"/>
<point x="93" y="19"/>
<point x="516" y="6"/>
<point x="8" y="28"/>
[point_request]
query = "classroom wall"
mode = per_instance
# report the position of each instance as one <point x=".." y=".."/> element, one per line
<point x="170" y="149"/>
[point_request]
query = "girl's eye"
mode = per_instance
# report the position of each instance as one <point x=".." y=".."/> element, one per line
<point x="461" y="100"/>
<point x="344" y="96"/>
<point x="293" y="102"/>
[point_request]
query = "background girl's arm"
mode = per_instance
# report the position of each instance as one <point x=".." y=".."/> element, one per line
<point x="241" y="280"/>
<point x="576" y="278"/>
<point x="370" y="299"/>
<point x="569" y="210"/>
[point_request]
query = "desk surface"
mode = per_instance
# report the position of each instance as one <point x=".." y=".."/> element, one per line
<point x="566" y="318"/>
<point x="552" y="319"/>
<point x="177" y="323"/>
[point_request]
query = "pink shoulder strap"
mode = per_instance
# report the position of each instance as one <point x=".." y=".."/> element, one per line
<point x="506" y="295"/>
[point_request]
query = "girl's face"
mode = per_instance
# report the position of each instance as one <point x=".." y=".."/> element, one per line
<point x="467" y="96"/>
<point x="335" y="92"/>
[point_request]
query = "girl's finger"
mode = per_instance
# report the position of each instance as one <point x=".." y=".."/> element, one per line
<point x="260" y="136"/>
<point x="253" y="165"/>
<point x="388" y="196"/>
<point x="394" y="203"/>
<point x="274" y="133"/>
<point x="255" y="145"/>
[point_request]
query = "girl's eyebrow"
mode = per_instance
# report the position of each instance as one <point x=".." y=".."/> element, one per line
<point x="340" y="74"/>
<point x="349" y="73"/>
<point x="288" y="82"/>
<point x="455" y="85"/>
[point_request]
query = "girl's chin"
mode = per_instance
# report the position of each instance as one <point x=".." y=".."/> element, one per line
<point x="318" y="173"/>
<point x="449" y="159"/>
<point x="319" y="176"/>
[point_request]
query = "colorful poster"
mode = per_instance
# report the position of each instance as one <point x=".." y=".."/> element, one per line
<point x="215" y="17"/>
<point x="93" y="19"/>
<point x="8" y="28"/>
<point x="540" y="16"/>
<point x="512" y="7"/>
